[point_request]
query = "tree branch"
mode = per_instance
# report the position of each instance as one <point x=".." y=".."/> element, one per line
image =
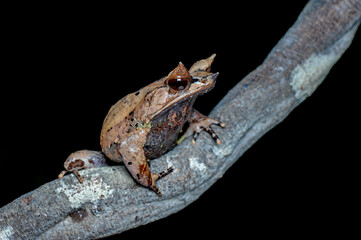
<point x="109" y="201"/>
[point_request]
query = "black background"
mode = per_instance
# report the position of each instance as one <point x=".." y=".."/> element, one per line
<point x="66" y="68"/>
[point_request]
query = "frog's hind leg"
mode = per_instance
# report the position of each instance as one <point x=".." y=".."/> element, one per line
<point x="139" y="168"/>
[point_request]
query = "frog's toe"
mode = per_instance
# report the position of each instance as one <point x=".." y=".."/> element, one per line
<point x="164" y="173"/>
<point x="79" y="177"/>
<point x="157" y="176"/>
<point x="205" y="125"/>
<point x="199" y="123"/>
<point x="210" y="131"/>
<point x="156" y="190"/>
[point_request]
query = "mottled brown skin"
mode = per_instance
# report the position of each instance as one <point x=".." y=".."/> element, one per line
<point x="166" y="127"/>
<point x="145" y="124"/>
<point x="81" y="160"/>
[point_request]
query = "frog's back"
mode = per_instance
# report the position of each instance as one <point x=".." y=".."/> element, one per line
<point x="125" y="106"/>
<point x="120" y="111"/>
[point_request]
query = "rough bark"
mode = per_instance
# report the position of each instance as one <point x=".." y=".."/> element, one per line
<point x="109" y="201"/>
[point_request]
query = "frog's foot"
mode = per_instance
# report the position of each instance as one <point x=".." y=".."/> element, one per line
<point x="61" y="175"/>
<point x="199" y="123"/>
<point x="157" y="176"/>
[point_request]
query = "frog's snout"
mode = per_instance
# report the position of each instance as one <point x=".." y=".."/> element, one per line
<point x="210" y="78"/>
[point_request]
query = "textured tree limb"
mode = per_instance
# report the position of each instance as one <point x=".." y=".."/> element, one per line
<point x="110" y="202"/>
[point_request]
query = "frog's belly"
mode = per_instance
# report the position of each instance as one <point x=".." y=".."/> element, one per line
<point x="165" y="129"/>
<point x="159" y="142"/>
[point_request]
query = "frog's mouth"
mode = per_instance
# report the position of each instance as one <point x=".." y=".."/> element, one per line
<point x="205" y="84"/>
<point x="198" y="87"/>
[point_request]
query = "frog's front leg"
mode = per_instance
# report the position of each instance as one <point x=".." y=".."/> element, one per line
<point x="198" y="123"/>
<point x="138" y="166"/>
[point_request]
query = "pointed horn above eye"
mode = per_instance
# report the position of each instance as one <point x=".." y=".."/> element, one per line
<point x="179" y="72"/>
<point x="203" y="65"/>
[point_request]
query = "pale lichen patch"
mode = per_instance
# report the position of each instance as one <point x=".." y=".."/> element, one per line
<point x="90" y="190"/>
<point x="307" y="76"/>
<point x="7" y="233"/>
<point x="223" y="150"/>
<point x="196" y="165"/>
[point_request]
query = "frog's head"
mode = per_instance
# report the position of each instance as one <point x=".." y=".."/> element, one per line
<point x="181" y="85"/>
<point x="198" y="80"/>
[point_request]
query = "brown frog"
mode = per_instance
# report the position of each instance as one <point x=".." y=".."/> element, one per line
<point x="145" y="124"/>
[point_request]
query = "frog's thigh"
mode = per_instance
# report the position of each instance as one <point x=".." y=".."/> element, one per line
<point x="137" y="165"/>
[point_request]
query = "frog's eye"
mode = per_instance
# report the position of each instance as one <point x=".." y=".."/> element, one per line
<point x="179" y="79"/>
<point x="179" y="83"/>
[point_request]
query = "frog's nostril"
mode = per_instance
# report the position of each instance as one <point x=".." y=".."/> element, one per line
<point x="214" y="76"/>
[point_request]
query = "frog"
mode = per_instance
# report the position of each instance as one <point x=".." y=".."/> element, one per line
<point x="146" y="124"/>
